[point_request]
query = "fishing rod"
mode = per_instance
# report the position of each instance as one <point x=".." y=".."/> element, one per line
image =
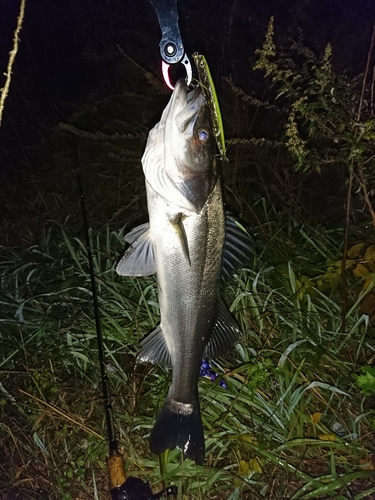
<point x="120" y="487"/>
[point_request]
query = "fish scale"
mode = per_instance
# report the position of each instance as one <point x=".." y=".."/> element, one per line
<point x="190" y="244"/>
<point x="188" y="301"/>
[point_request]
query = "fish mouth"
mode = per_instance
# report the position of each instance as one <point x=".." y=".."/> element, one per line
<point x="186" y="106"/>
<point x="182" y="93"/>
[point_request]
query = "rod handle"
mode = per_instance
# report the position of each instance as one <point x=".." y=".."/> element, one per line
<point x="116" y="470"/>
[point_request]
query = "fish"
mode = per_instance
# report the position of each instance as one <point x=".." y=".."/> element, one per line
<point x="193" y="246"/>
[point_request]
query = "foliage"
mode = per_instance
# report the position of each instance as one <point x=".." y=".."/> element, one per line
<point x="366" y="381"/>
<point x="290" y="421"/>
<point x="328" y="122"/>
<point x="289" y="424"/>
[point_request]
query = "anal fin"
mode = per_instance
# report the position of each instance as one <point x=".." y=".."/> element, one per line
<point x="154" y="349"/>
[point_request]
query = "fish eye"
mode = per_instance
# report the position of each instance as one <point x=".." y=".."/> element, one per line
<point x="203" y="135"/>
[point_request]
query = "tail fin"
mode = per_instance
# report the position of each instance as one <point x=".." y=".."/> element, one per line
<point x="179" y="426"/>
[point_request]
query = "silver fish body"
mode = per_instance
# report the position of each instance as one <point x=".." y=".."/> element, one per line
<point x="188" y="290"/>
<point x="183" y="244"/>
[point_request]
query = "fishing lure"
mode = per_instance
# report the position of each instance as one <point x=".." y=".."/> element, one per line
<point x="209" y="92"/>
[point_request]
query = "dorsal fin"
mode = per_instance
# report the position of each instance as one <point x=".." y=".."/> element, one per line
<point x="238" y="250"/>
<point x="224" y="335"/>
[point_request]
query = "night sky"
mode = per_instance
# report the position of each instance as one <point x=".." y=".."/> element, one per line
<point x="69" y="51"/>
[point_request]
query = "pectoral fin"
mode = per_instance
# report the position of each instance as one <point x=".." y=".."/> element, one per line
<point x="177" y="222"/>
<point x="224" y="335"/>
<point x="139" y="258"/>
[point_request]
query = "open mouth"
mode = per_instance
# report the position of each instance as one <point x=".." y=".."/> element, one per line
<point x="194" y="101"/>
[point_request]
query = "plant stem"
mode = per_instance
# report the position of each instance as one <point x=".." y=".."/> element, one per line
<point x="363" y="187"/>
<point x="358" y="117"/>
<point x="12" y="56"/>
<point x="345" y="251"/>
<point x="362" y="180"/>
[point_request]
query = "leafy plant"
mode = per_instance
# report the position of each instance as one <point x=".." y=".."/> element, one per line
<point x="330" y="120"/>
<point x="286" y="424"/>
<point x="289" y="422"/>
<point x="366" y="381"/>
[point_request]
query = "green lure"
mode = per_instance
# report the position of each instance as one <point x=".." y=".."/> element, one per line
<point x="209" y="92"/>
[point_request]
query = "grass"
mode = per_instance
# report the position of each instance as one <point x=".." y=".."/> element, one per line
<point x="291" y="423"/>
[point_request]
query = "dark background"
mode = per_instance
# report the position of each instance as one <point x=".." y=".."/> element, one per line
<point x="69" y="57"/>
